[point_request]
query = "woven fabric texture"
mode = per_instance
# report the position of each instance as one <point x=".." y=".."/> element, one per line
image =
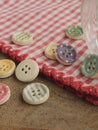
<point x="47" y="20"/>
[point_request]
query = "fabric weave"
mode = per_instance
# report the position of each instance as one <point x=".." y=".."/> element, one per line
<point x="47" y="20"/>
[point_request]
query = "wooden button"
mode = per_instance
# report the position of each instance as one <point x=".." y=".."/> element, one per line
<point x="74" y="32"/>
<point x="4" y="93"/>
<point x="35" y="93"/>
<point x="7" y="68"/>
<point x="66" y="54"/>
<point x="50" y="51"/>
<point x="89" y="66"/>
<point x="22" y="38"/>
<point x="27" y="70"/>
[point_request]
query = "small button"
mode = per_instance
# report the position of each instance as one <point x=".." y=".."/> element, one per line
<point x="27" y="70"/>
<point x="4" y="93"/>
<point x="22" y="38"/>
<point x="7" y="68"/>
<point x="50" y="50"/>
<point x="74" y="32"/>
<point x="35" y="93"/>
<point x="66" y="54"/>
<point x="89" y="66"/>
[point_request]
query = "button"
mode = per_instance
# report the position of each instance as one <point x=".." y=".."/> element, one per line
<point x="50" y="51"/>
<point x="22" y="38"/>
<point x="35" y="93"/>
<point x="27" y="70"/>
<point x="4" y="93"/>
<point x="7" y="68"/>
<point x="65" y="54"/>
<point x="89" y="67"/>
<point x="74" y="32"/>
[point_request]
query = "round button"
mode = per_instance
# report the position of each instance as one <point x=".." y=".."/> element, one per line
<point x="89" y="67"/>
<point x="35" y="93"/>
<point x="50" y="51"/>
<point x="22" y="38"/>
<point x="7" y="68"/>
<point x="65" y="54"/>
<point x="27" y="70"/>
<point x="4" y="93"/>
<point x="74" y="32"/>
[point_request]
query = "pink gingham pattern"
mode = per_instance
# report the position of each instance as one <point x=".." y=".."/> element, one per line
<point x="47" y="21"/>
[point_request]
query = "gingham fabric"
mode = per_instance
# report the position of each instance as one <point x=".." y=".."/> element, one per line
<point x="47" y="21"/>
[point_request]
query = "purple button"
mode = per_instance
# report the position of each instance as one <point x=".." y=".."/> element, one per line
<point x="66" y="54"/>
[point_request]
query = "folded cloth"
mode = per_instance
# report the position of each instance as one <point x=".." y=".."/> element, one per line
<point x="47" y="21"/>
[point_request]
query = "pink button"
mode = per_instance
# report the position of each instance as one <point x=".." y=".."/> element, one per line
<point x="4" y="93"/>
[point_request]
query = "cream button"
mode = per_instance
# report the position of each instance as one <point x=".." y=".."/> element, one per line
<point x="4" y="93"/>
<point x="50" y="50"/>
<point x="22" y="38"/>
<point x="27" y="70"/>
<point x="35" y="93"/>
<point x="7" y="68"/>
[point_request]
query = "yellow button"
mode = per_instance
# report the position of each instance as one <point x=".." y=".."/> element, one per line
<point x="7" y="68"/>
<point x="50" y="50"/>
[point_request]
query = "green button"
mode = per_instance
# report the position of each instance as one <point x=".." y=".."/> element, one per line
<point x="75" y="31"/>
<point x="89" y="67"/>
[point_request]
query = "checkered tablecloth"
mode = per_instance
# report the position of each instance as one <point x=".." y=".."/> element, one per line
<point x="47" y="21"/>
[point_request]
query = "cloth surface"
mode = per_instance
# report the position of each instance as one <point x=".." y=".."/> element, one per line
<point x="62" y="111"/>
<point x="47" y="21"/>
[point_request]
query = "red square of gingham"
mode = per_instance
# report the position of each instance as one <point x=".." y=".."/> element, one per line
<point x="47" y="20"/>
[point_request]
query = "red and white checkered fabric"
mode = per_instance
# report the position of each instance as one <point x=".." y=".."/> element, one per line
<point x="47" y="20"/>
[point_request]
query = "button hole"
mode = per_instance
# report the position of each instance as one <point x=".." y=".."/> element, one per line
<point x="53" y="50"/>
<point x="33" y="91"/>
<point x="91" y="63"/>
<point x="93" y="68"/>
<point x="39" y="94"/>
<point x="1" y="92"/>
<point x="26" y="65"/>
<point x="33" y="94"/>
<point x="25" y="72"/>
<point x="89" y="68"/>
<point x="29" y="68"/>
<point x="94" y="63"/>
<point x="22" y="69"/>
